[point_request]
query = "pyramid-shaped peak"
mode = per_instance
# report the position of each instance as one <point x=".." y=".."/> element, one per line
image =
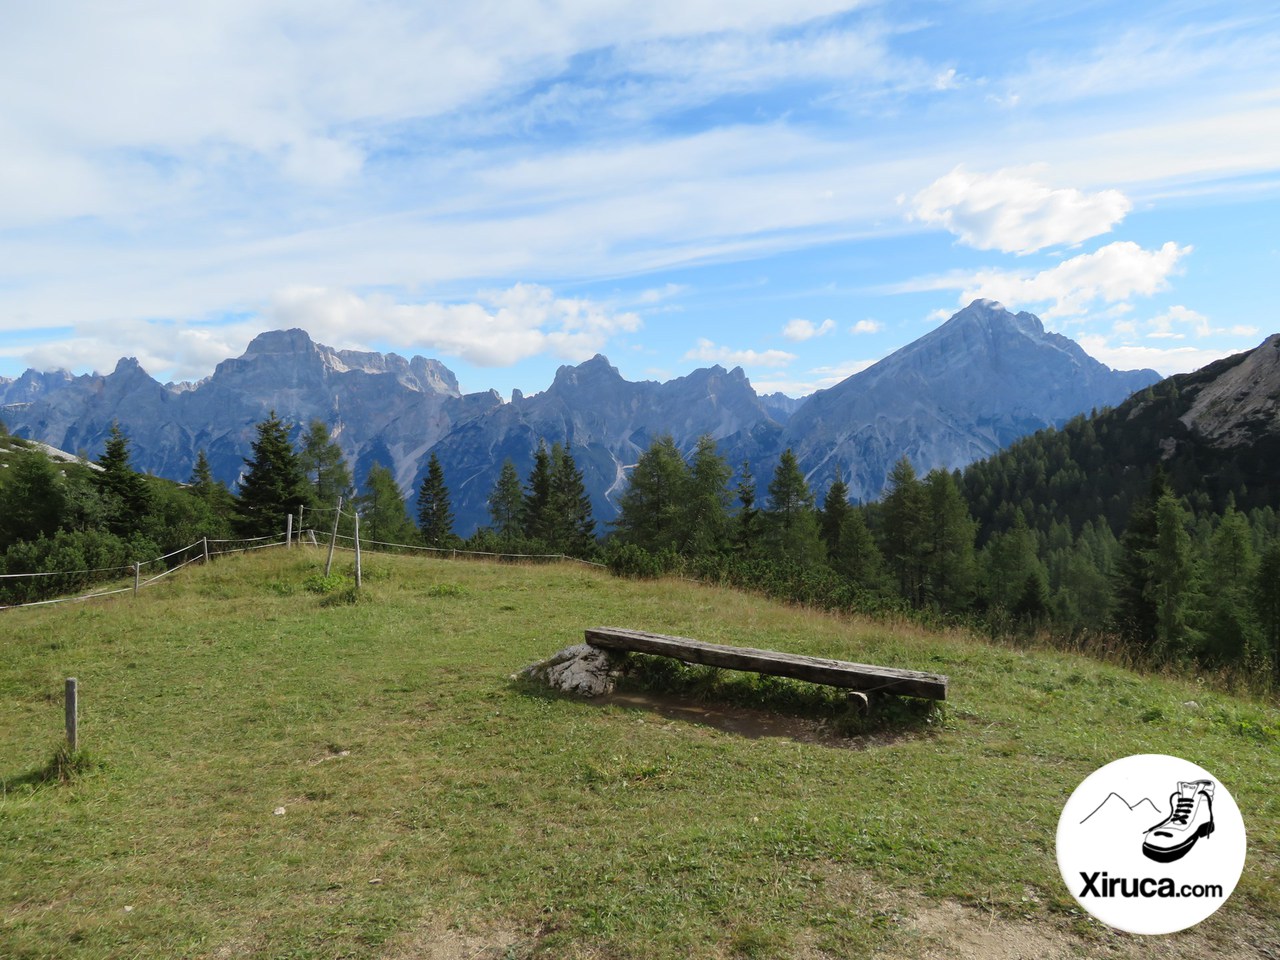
<point x="993" y="316"/>
<point x="596" y="370"/>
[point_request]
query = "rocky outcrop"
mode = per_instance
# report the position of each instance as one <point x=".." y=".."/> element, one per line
<point x="582" y="670"/>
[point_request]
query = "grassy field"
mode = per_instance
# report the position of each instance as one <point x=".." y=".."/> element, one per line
<point x="270" y="773"/>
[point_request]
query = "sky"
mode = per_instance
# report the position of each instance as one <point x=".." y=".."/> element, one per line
<point x="795" y="188"/>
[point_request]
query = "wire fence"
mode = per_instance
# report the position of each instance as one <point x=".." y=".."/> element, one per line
<point x="206" y="549"/>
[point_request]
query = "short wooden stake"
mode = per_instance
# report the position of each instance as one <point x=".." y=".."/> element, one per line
<point x="73" y="706"/>
<point x="288" y="532"/>
<point x="137" y="577"/>
<point x="206" y="549"/>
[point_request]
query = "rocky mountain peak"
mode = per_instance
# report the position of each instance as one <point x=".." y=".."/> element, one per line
<point x="272" y="342"/>
<point x="1242" y="402"/>
<point x="597" y="371"/>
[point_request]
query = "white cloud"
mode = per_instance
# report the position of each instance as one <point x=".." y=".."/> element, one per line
<point x="1111" y="275"/>
<point x="866" y="326"/>
<point x="1174" y="322"/>
<point x="1166" y="361"/>
<point x="659" y="294"/>
<point x="819" y="378"/>
<point x="500" y="329"/>
<point x="801" y="330"/>
<point x="708" y="352"/>
<point x="1012" y="212"/>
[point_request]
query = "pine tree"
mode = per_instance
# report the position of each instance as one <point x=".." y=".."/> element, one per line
<point x="903" y="530"/>
<point x="128" y="497"/>
<point x="651" y="510"/>
<point x="1227" y="619"/>
<point x="435" y="515"/>
<point x="325" y="466"/>
<point x="1170" y="576"/>
<point x="274" y="485"/>
<point x="572" y="528"/>
<point x="948" y="561"/>
<point x="791" y="523"/>
<point x="1135" y="611"/>
<point x="33" y="499"/>
<point x="706" y="506"/>
<point x="535" y="509"/>
<point x="835" y="514"/>
<point x="504" y="502"/>
<point x="213" y="493"/>
<point x="1266" y="603"/>
<point x="748" y="525"/>
<point x="382" y="510"/>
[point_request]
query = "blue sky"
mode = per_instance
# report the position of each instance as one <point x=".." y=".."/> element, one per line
<point x="797" y="188"/>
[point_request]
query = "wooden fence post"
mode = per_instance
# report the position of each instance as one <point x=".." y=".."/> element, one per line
<point x="288" y="532"/>
<point x="357" y="532"/>
<point x="73" y="708"/>
<point x="333" y="537"/>
<point x="206" y="549"/>
<point x="137" y="577"/>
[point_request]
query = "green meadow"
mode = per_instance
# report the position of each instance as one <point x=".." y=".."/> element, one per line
<point x="272" y="766"/>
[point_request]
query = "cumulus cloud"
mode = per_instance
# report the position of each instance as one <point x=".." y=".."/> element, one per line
<point x="708" y="352"/>
<point x="1175" y="322"/>
<point x="1166" y="361"/>
<point x="800" y="330"/>
<point x="819" y="378"/>
<point x="500" y="328"/>
<point x="1110" y="275"/>
<point x="1012" y="212"/>
<point x="867" y="326"/>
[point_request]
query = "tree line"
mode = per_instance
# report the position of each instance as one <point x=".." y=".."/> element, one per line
<point x="1170" y="579"/>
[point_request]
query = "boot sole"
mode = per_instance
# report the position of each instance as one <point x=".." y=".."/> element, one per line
<point x="1169" y="854"/>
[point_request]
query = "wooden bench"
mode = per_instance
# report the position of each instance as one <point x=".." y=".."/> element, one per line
<point x="859" y="677"/>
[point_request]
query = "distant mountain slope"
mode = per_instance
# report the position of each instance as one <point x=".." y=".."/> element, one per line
<point x="605" y="420"/>
<point x="1214" y="432"/>
<point x="378" y="406"/>
<point x="961" y="392"/>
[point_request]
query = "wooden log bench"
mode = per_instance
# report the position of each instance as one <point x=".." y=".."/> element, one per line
<point x="860" y="677"/>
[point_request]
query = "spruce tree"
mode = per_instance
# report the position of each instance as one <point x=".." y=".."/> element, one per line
<point x="536" y="520"/>
<point x="572" y="527"/>
<point x="835" y="514"/>
<point x="1135" y="610"/>
<point x="903" y="530"/>
<point x="126" y="492"/>
<point x="435" y="515"/>
<point x="791" y="523"/>
<point x="748" y="525"/>
<point x="504" y="502"/>
<point x="1170" y="576"/>
<point x="948" y="548"/>
<point x="707" y="502"/>
<point x="274" y="485"/>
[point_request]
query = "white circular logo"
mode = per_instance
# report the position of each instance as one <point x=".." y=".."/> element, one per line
<point x="1151" y="844"/>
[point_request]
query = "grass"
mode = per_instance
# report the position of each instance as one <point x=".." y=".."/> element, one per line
<point x="276" y="774"/>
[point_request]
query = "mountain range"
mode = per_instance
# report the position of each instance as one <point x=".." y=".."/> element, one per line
<point x="961" y="392"/>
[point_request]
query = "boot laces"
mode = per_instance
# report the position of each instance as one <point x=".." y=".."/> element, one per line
<point x="1183" y="810"/>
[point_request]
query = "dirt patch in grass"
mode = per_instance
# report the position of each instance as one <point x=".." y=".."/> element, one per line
<point x="436" y="940"/>
<point x="754" y="724"/>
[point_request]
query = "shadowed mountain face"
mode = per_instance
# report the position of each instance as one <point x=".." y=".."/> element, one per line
<point x="955" y="395"/>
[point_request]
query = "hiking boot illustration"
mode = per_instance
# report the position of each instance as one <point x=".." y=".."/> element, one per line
<point x="1190" y="818"/>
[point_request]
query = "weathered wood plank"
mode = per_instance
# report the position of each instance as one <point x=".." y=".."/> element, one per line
<point x="866" y="678"/>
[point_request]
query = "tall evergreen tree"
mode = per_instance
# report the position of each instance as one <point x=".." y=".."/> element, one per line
<point x="903" y="536"/>
<point x="835" y="514"/>
<point x="435" y="514"/>
<point x="382" y="509"/>
<point x="1170" y="576"/>
<point x="707" y="501"/>
<point x="1226" y="618"/>
<point x="535" y="509"/>
<point x="274" y="485"/>
<point x="1266" y="603"/>
<point x="504" y="502"/>
<point x="126" y="491"/>
<point x="1008" y="559"/>
<point x="651" y="510"/>
<point x="1135" y="610"/>
<point x="748" y="525"/>
<point x="572" y="527"/>
<point x="33" y="499"/>
<point x="791" y="523"/>
<point x="948" y="559"/>
<point x="325" y="466"/>
<point x="213" y="493"/>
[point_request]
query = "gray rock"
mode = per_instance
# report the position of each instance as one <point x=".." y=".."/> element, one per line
<point x="581" y="669"/>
